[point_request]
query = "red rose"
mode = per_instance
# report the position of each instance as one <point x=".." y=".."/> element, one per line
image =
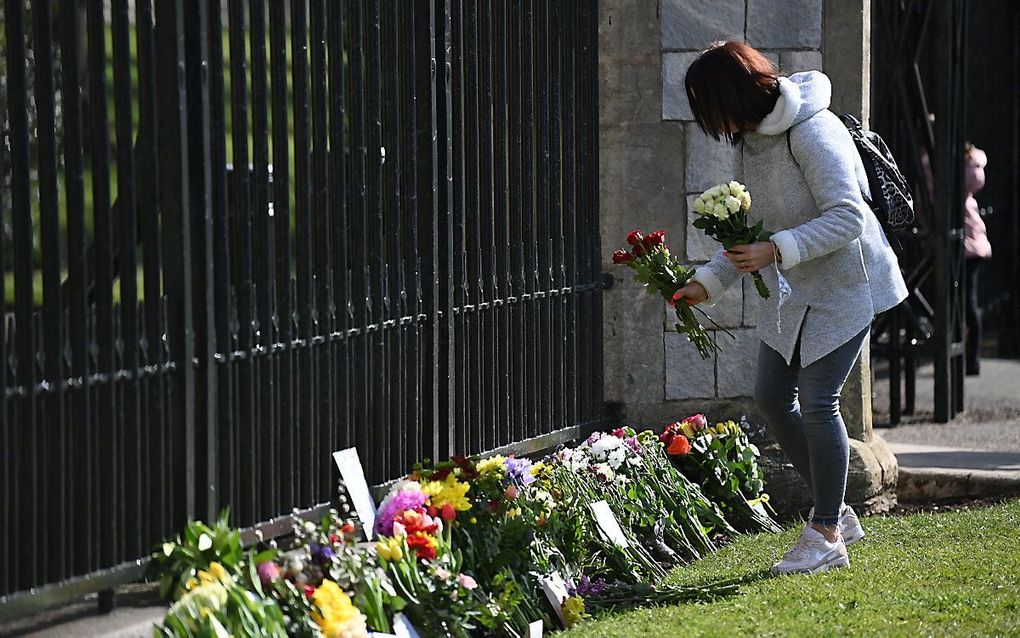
<point x="622" y="257"/>
<point x="620" y="433"/>
<point x="655" y="239"/>
<point x="679" y="446"/>
<point x="448" y="513"/>
<point x="433" y="511"/>
<point x="639" y="250"/>
<point x="635" y="237"/>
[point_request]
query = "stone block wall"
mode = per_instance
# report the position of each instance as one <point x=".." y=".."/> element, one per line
<point x="654" y="161"/>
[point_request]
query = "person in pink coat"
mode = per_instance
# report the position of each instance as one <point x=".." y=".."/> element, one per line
<point x="976" y="248"/>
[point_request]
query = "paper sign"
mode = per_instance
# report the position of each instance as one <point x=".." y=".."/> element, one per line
<point x="402" y="627"/>
<point x="536" y="629"/>
<point x="353" y="475"/>
<point x="556" y="591"/>
<point x="608" y="524"/>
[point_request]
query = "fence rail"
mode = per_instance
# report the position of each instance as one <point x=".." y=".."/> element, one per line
<point x="240" y="235"/>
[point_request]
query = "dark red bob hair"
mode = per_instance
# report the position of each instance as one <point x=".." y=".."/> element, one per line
<point x="731" y="87"/>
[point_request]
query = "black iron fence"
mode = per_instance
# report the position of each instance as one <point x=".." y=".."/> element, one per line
<point x="240" y="235"/>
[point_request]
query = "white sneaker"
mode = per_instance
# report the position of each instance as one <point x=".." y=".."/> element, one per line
<point x="812" y="554"/>
<point x="849" y="525"/>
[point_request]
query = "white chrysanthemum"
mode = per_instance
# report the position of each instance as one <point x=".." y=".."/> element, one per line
<point x="617" y="457"/>
<point x="604" y="445"/>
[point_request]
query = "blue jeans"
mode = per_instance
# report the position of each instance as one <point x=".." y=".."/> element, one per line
<point x="801" y="406"/>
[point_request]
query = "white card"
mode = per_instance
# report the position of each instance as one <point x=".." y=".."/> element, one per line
<point x="536" y="629"/>
<point x="353" y="475"/>
<point x="402" y="627"/>
<point x="608" y="525"/>
<point x="556" y="591"/>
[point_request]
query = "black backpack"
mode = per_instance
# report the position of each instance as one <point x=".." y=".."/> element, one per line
<point x="890" y="193"/>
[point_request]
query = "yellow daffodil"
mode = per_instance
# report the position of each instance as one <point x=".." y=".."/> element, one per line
<point x="449" y="490"/>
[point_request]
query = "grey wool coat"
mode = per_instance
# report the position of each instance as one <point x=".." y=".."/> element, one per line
<point x="835" y="256"/>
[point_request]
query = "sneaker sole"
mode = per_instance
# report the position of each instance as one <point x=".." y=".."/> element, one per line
<point x="853" y="535"/>
<point x="837" y="563"/>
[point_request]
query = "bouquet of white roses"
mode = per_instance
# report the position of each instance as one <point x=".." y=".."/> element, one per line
<point x="722" y="213"/>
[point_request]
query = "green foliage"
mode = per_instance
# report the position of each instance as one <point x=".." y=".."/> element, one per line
<point x="175" y="562"/>
<point x="221" y="610"/>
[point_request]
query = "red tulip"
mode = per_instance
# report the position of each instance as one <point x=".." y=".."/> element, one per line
<point x="679" y="446"/>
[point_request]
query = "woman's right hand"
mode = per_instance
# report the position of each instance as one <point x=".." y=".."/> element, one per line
<point x="692" y="292"/>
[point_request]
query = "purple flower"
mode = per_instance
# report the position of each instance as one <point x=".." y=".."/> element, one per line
<point x="632" y="443"/>
<point x="401" y="501"/>
<point x="519" y="470"/>
<point x="588" y="587"/>
<point x="321" y="554"/>
<point x="268" y="572"/>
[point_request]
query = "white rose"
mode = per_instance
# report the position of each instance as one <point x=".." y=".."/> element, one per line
<point x="745" y="200"/>
<point x="720" y="211"/>
<point x="733" y="204"/>
<point x="736" y="187"/>
<point x="699" y="205"/>
<point x="715" y="191"/>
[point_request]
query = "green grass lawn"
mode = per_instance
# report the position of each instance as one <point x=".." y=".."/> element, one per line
<point x="949" y="574"/>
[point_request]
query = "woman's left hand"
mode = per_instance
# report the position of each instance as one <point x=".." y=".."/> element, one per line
<point x="751" y="257"/>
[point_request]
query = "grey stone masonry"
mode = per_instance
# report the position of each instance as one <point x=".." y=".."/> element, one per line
<point x="737" y="362"/>
<point x="700" y="247"/>
<point x="796" y="61"/>
<point x="691" y="24"/>
<point x="709" y="162"/>
<point x="674" y="97"/>
<point x="790" y="24"/>
<point x="688" y="376"/>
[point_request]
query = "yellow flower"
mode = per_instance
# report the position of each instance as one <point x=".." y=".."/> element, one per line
<point x="492" y="465"/>
<point x="191" y="584"/>
<point x="688" y="429"/>
<point x="390" y="549"/>
<point x="337" y="617"/>
<point x="513" y="513"/>
<point x="721" y="428"/>
<point x="215" y="574"/>
<point x="449" y="490"/>
<point x="573" y="611"/>
<point x="537" y="468"/>
<point x="473" y="520"/>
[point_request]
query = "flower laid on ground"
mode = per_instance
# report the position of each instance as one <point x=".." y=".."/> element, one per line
<point x="662" y="274"/>
<point x="335" y="615"/>
<point x="723" y="215"/>
<point x="463" y="544"/>
<point x="724" y="463"/>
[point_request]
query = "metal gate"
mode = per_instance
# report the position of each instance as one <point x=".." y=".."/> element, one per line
<point x="239" y="235"/>
<point x="918" y="105"/>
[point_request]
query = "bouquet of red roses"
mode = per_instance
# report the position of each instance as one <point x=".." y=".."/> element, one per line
<point x="663" y="274"/>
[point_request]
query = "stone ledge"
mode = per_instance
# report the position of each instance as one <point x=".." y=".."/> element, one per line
<point x="926" y="484"/>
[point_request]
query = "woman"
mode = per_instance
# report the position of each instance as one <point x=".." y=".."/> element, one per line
<point x="829" y="266"/>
